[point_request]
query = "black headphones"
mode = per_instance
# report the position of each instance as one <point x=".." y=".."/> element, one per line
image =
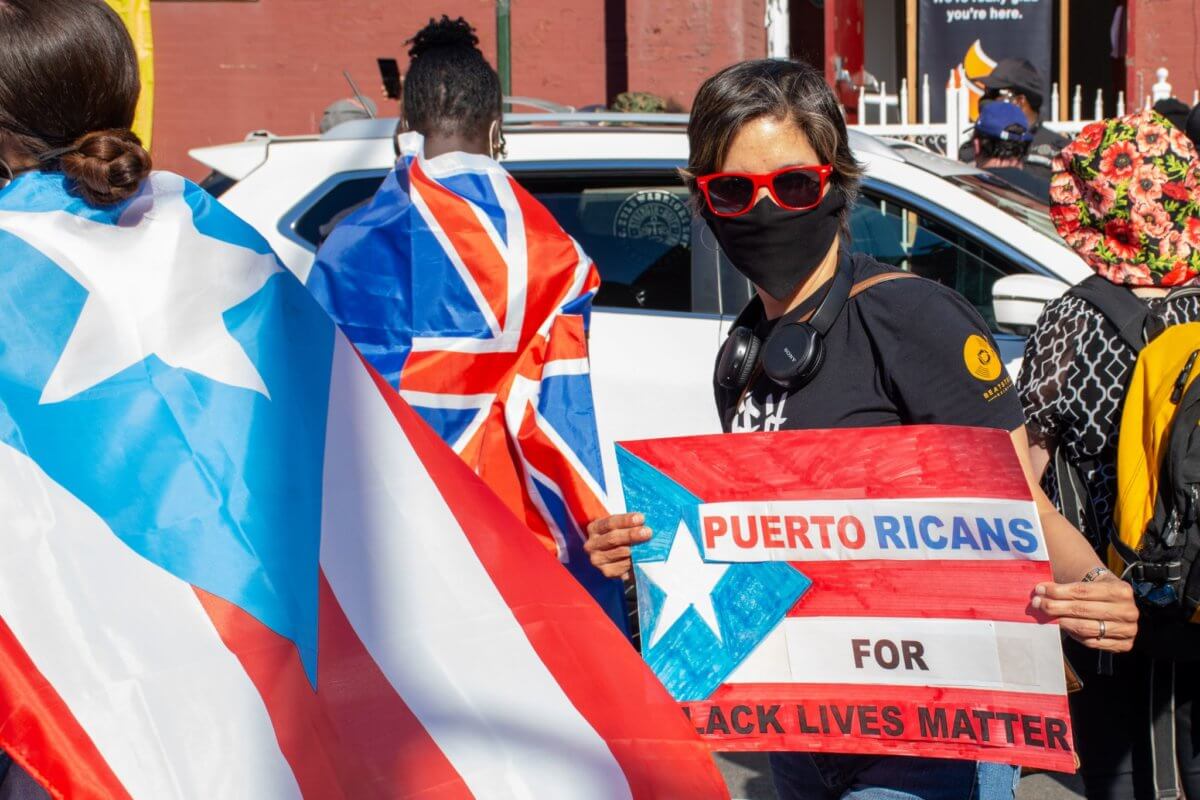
<point x="793" y="352"/>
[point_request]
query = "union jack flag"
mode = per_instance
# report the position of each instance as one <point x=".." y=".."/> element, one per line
<point x="467" y="296"/>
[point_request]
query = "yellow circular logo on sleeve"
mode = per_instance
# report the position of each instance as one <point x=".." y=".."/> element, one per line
<point x="981" y="358"/>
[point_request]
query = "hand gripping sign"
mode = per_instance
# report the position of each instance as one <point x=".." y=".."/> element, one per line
<point x="851" y="591"/>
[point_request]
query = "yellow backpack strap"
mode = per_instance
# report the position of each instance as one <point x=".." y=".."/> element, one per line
<point x="1164" y="370"/>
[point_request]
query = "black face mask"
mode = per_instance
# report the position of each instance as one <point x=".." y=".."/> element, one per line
<point x="775" y="248"/>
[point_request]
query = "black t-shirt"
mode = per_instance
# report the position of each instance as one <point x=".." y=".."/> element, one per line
<point x="903" y="352"/>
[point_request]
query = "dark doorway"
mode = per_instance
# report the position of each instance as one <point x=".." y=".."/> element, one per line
<point x="616" y="50"/>
<point x="806" y="23"/>
<point x="1091" y="64"/>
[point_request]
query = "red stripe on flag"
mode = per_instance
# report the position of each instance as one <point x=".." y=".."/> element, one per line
<point x="1028" y="729"/>
<point x="897" y="462"/>
<point x="354" y="737"/>
<point x="469" y="239"/>
<point x="42" y="735"/>
<point x="995" y="590"/>
<point x="592" y="662"/>
<point x="552" y="260"/>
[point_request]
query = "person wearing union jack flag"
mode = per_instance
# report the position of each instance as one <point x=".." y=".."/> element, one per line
<point x="463" y="291"/>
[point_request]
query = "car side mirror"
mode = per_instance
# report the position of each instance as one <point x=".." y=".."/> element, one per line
<point x="1017" y="301"/>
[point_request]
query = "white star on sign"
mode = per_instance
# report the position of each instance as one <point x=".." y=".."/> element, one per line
<point x="156" y="286"/>
<point x="687" y="581"/>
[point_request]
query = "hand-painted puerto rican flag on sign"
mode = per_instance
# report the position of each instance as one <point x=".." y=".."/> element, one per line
<point x="467" y="296"/>
<point x="851" y="591"/>
<point x="235" y="564"/>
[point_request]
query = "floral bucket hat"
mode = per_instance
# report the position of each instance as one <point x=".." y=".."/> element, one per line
<point x="1126" y="196"/>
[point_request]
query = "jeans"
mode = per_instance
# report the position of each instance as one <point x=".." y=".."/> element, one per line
<point x="820" y="776"/>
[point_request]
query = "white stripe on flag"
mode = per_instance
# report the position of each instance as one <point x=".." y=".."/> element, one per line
<point x="426" y="609"/>
<point x="130" y="650"/>
<point x="958" y="653"/>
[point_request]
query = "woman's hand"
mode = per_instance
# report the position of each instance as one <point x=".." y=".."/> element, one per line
<point x="609" y="542"/>
<point x="1086" y="610"/>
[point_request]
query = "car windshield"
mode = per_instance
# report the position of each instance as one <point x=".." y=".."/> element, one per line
<point x="1007" y="198"/>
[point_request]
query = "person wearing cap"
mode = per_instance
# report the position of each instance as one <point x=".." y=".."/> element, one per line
<point x="1001" y="142"/>
<point x="345" y="110"/>
<point x="1018" y="82"/>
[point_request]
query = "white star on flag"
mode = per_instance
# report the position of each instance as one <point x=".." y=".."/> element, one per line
<point x="687" y="581"/>
<point x="156" y="286"/>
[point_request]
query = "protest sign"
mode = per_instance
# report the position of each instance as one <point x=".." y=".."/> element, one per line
<point x="972" y="35"/>
<point x="855" y="591"/>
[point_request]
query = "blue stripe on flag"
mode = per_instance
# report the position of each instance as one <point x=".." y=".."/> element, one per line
<point x="477" y="188"/>
<point x="566" y="403"/>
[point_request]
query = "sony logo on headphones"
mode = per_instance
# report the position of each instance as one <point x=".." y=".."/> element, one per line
<point x="788" y="353"/>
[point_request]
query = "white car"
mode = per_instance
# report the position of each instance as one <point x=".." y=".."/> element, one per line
<point x="668" y="294"/>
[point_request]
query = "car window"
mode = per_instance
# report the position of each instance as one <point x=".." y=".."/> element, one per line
<point x="990" y="189"/>
<point x="338" y="200"/>
<point x="925" y="246"/>
<point x="635" y="225"/>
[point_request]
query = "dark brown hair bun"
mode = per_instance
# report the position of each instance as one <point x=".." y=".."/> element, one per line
<point x="107" y="167"/>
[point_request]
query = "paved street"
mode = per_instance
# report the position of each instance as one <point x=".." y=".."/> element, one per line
<point x="747" y="777"/>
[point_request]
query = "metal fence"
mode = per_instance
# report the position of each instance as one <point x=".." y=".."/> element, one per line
<point x="948" y="135"/>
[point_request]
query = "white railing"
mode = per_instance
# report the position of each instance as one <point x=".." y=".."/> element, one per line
<point x="947" y="136"/>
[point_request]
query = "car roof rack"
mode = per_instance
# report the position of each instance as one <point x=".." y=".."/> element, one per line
<point x="597" y="118"/>
<point x="385" y="127"/>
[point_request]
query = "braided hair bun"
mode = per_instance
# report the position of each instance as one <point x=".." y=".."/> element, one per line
<point x="450" y="87"/>
<point x="107" y="167"/>
<point x="443" y="33"/>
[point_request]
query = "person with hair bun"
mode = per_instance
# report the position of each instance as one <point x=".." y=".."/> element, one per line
<point x="451" y="94"/>
<point x="69" y="86"/>
<point x="80" y="48"/>
<point x="453" y="254"/>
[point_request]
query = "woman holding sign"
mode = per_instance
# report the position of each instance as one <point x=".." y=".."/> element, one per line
<point x="833" y="340"/>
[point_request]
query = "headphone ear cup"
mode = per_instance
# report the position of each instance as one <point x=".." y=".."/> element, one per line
<point x="752" y="351"/>
<point x="792" y="354"/>
<point x="737" y="358"/>
<point x="817" y="362"/>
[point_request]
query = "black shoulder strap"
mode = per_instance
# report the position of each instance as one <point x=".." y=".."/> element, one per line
<point x="1121" y="307"/>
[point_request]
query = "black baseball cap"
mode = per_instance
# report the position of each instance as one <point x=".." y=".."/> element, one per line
<point x="1175" y="110"/>
<point x="1192" y="127"/>
<point x="1018" y="75"/>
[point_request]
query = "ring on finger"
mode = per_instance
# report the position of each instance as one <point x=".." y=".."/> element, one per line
<point x="1103" y="629"/>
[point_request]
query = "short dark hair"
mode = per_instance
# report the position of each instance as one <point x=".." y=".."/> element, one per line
<point x="450" y="87"/>
<point x="69" y="79"/>
<point x="774" y="88"/>
<point x="991" y="147"/>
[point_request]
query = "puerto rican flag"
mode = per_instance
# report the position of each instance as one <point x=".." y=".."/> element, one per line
<point x="235" y="564"/>
<point x="852" y="591"/>
<point x="467" y="296"/>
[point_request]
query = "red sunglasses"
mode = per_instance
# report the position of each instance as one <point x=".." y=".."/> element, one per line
<point x="730" y="194"/>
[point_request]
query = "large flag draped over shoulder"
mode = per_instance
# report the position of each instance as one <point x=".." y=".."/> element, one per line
<point x="466" y="295"/>
<point x="136" y="16"/>
<point x="236" y="564"/>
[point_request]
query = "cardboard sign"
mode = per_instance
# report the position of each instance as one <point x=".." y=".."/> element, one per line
<point x="854" y="591"/>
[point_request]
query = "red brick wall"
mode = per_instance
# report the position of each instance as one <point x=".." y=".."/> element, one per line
<point x="226" y="68"/>
<point x="674" y="46"/>
<point x="1163" y="33"/>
